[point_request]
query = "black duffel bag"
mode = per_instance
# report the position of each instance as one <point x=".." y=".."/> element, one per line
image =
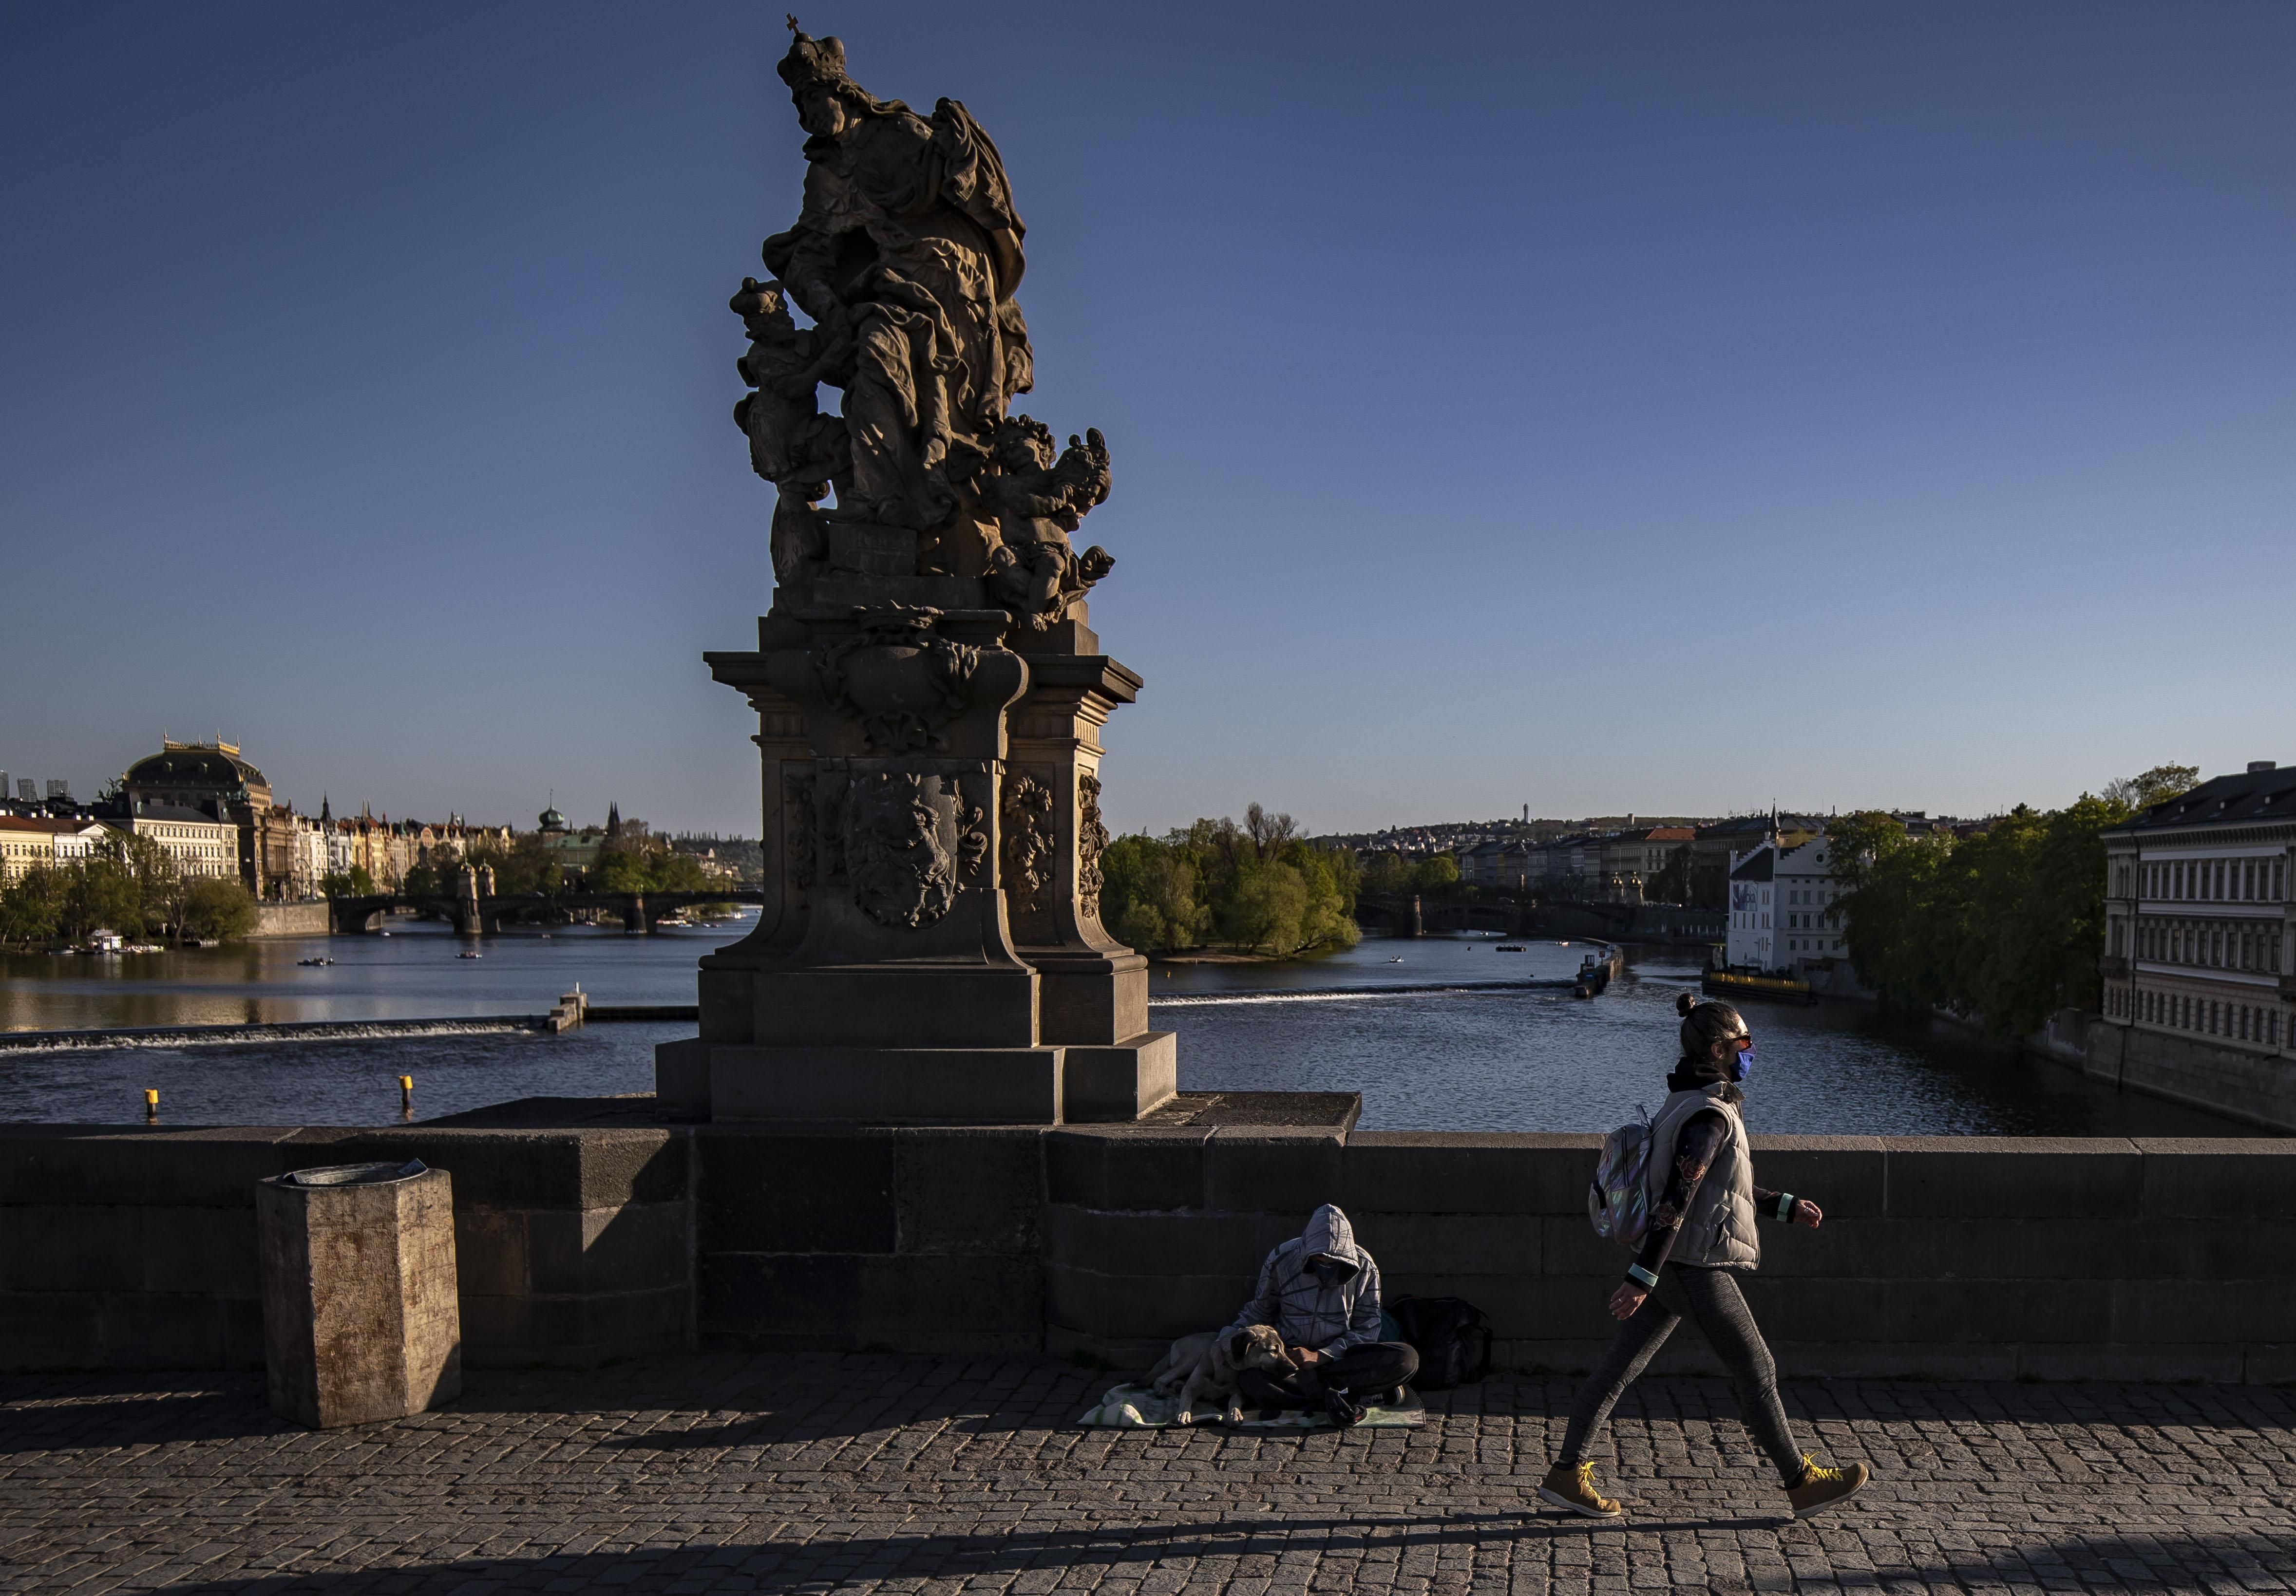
<point x="1451" y="1337"/>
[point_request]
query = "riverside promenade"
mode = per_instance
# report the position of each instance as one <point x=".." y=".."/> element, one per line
<point x="875" y="1472"/>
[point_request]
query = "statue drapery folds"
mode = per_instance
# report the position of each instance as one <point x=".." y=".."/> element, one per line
<point x="906" y="255"/>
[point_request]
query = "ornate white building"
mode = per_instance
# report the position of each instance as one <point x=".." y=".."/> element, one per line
<point x="1783" y="913"/>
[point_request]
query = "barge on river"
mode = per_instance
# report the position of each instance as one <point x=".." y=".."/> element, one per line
<point x="1780" y="989"/>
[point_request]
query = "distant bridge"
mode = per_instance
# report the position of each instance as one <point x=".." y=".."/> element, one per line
<point x="1431" y="914"/>
<point x="483" y="915"/>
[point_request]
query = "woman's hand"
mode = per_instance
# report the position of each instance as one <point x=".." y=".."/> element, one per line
<point x="1806" y="1212"/>
<point x="1626" y="1299"/>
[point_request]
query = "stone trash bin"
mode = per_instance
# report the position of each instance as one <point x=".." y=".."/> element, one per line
<point x="359" y="1316"/>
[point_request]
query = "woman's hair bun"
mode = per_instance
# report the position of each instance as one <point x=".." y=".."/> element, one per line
<point x="1684" y="1002"/>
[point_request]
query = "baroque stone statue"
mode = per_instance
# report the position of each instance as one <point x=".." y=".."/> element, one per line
<point x="905" y="255"/>
<point x="929" y="691"/>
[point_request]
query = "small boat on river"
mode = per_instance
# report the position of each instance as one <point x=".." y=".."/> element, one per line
<point x="1595" y="971"/>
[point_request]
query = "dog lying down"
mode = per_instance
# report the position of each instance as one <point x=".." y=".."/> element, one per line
<point x="1203" y="1367"/>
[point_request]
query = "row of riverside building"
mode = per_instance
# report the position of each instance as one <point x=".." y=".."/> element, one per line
<point x="212" y="811"/>
<point x="2199" y="895"/>
<point x="1773" y="873"/>
<point x="2200" y="907"/>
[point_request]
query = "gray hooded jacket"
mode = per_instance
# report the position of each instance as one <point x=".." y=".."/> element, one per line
<point x="1305" y="1311"/>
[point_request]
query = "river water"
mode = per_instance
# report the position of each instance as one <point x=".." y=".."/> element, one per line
<point x="1438" y="1034"/>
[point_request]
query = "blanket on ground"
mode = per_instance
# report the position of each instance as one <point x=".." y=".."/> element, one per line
<point x="1140" y="1407"/>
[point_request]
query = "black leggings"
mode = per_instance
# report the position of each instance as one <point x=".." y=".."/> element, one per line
<point x="1710" y="1296"/>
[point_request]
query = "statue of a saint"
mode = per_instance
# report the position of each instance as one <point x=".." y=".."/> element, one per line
<point x="905" y="255"/>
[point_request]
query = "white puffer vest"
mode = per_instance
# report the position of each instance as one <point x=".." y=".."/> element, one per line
<point x="1718" y="1231"/>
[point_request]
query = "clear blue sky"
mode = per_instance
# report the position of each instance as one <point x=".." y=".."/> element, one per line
<point x="1611" y="407"/>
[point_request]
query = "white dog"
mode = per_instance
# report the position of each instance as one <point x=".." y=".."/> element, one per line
<point x="1205" y="1366"/>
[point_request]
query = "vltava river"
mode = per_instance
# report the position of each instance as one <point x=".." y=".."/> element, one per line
<point x="1426" y="1030"/>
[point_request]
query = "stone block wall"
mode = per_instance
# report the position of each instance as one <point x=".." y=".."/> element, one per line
<point x="292" y="920"/>
<point x="2243" y="1083"/>
<point x="1954" y="1256"/>
<point x="925" y="1240"/>
<point x="1947" y="1256"/>
<point x="123" y="1248"/>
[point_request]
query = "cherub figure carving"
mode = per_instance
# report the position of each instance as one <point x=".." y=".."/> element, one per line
<point x="1036" y="501"/>
<point x="792" y="444"/>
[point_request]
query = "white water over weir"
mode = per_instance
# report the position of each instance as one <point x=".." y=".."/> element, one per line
<point x="320" y="1030"/>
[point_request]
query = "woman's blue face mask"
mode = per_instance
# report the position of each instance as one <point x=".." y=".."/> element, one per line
<point x="1746" y="1061"/>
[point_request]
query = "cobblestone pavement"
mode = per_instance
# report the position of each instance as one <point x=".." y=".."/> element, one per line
<point x="883" y="1473"/>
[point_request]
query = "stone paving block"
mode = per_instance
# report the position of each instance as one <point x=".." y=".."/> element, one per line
<point x="782" y="1472"/>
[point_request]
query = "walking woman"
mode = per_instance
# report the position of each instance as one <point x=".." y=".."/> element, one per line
<point x="1703" y="1208"/>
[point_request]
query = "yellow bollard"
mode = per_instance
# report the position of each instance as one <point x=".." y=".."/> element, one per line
<point x="150" y="1103"/>
<point x="407" y="1094"/>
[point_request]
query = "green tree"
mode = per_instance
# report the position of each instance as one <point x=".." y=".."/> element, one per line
<point x="2154" y="786"/>
<point x="32" y="906"/>
<point x="2004" y="926"/>
<point x="1346" y="872"/>
<point x="1329" y="918"/>
<point x="1149" y="895"/>
<point x="1258" y="886"/>
<point x="1437" y="872"/>
<point x="1386" y="874"/>
<point x="102" y="893"/>
<point x="216" y="909"/>
<point x="1265" y="909"/>
<point x="1671" y="883"/>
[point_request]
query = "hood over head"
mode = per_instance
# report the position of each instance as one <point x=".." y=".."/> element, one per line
<point x="1329" y="1235"/>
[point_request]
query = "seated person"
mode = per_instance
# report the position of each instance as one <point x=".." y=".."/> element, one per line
<point x="1320" y="1291"/>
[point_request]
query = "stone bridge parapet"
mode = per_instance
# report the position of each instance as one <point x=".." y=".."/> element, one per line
<point x="592" y="1229"/>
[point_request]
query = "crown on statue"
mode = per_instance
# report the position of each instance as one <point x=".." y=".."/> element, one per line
<point x="812" y="63"/>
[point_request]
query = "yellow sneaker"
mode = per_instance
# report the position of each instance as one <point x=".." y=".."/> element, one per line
<point x="1820" y="1487"/>
<point x="1572" y="1486"/>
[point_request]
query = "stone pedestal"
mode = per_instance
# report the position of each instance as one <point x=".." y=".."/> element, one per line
<point x="360" y="1314"/>
<point x="929" y="950"/>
